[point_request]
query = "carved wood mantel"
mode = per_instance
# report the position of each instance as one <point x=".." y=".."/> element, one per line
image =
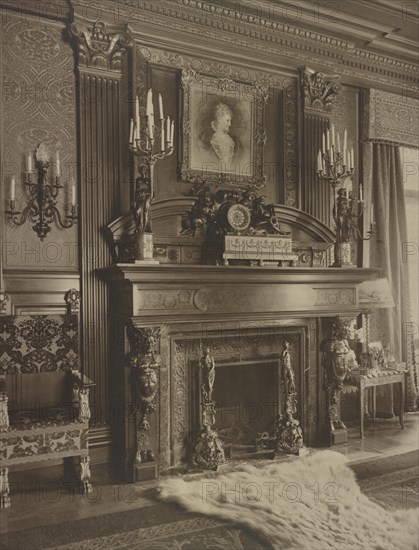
<point x="186" y="302"/>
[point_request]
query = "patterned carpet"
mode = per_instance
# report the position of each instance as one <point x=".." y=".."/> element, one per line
<point x="392" y="482"/>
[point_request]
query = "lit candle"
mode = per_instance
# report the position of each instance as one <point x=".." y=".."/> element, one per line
<point x="150" y="110"/>
<point x="333" y="135"/>
<point x="162" y="135"/>
<point x="319" y="162"/>
<point x="57" y="162"/>
<point x="172" y="133"/>
<point x="345" y="139"/>
<point x="150" y="126"/>
<point x="323" y="143"/>
<point x="168" y="129"/>
<point x="361" y="194"/>
<point x="131" y="132"/>
<point x="137" y="117"/>
<point x="372" y="213"/>
<point x="29" y="163"/>
<point x="12" y="188"/>
<point x="73" y="192"/>
<point x="338" y="141"/>
<point x="161" y="107"/>
<point x="327" y="139"/>
<point x="352" y="158"/>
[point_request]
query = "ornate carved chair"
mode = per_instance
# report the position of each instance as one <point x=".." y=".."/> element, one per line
<point x="44" y="398"/>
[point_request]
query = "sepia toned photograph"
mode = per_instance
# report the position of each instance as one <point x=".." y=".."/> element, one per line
<point x="209" y="266"/>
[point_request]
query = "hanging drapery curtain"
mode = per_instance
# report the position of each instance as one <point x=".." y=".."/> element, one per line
<point x="392" y="325"/>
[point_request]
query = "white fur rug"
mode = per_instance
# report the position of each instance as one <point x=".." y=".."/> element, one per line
<point x="311" y="502"/>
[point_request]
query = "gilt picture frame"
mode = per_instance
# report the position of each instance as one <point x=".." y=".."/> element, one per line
<point x="223" y="133"/>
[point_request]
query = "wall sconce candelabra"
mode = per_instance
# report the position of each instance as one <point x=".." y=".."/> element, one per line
<point x="150" y="145"/>
<point x="42" y="203"/>
<point x="361" y="206"/>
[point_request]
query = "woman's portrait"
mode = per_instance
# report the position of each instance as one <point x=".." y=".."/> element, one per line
<point x="221" y="134"/>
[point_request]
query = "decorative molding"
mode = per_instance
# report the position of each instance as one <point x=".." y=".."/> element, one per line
<point x="220" y="24"/>
<point x="100" y="46"/>
<point x="390" y="118"/>
<point x="319" y="90"/>
<point x="4" y="299"/>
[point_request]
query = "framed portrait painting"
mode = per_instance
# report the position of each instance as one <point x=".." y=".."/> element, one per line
<point x="223" y="131"/>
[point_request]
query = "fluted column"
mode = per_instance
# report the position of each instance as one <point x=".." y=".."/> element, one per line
<point x="99" y="49"/>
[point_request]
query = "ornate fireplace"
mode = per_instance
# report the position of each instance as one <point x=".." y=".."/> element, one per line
<point x="243" y="315"/>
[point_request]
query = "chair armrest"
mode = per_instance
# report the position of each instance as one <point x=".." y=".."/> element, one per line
<point x="81" y="380"/>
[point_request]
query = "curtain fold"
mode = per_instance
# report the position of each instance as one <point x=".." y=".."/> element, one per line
<point x="392" y="325"/>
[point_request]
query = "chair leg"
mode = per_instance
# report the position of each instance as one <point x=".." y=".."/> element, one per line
<point x="4" y="488"/>
<point x="84" y="474"/>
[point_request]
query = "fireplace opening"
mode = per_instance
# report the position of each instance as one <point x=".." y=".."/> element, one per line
<point x="247" y="397"/>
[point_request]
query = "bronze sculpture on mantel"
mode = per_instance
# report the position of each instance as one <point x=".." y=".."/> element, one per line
<point x="208" y="452"/>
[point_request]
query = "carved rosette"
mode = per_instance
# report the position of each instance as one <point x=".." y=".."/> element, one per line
<point x="145" y="364"/>
<point x="320" y="90"/>
<point x="4" y="299"/>
<point x="100" y="46"/>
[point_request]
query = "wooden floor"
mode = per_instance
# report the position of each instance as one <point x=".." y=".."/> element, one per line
<point x="52" y="503"/>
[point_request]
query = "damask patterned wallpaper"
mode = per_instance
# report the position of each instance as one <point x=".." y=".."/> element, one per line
<point x="38" y="106"/>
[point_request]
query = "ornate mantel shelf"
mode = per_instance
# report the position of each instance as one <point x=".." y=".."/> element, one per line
<point x="175" y="291"/>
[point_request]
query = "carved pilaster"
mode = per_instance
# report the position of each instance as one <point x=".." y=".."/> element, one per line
<point x="145" y="363"/>
<point x="336" y="364"/>
<point x="99" y="49"/>
<point x="319" y="90"/>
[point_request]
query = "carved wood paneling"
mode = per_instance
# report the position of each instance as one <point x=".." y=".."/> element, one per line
<point x="98" y="51"/>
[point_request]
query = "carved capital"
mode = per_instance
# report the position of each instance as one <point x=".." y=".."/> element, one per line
<point x="320" y="90"/>
<point x="100" y="46"/>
